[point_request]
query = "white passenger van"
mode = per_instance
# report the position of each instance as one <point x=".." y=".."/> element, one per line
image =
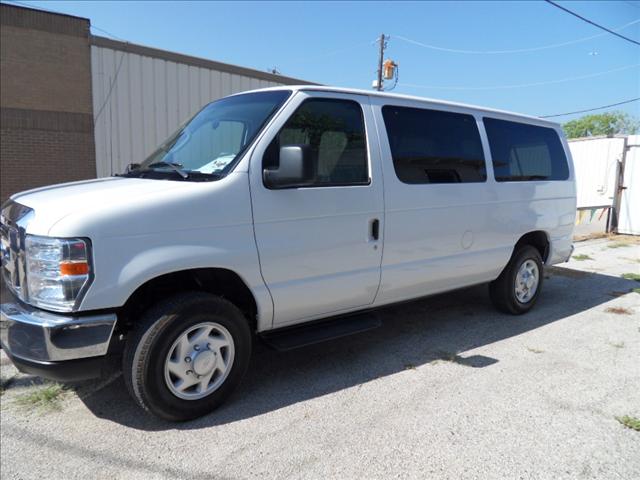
<point x="289" y="214"/>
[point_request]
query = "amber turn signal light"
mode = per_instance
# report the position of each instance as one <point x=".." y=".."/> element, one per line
<point x="74" y="268"/>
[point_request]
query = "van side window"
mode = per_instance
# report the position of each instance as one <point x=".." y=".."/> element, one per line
<point x="523" y="152"/>
<point x="433" y="146"/>
<point x="334" y="129"/>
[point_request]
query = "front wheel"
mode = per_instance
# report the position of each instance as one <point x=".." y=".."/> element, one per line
<point x="186" y="355"/>
<point x="518" y="286"/>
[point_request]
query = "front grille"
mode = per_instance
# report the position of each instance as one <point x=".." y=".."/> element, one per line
<point x="10" y="240"/>
<point x="12" y="247"/>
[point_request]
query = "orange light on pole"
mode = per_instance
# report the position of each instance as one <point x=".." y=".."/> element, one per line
<point x="389" y="69"/>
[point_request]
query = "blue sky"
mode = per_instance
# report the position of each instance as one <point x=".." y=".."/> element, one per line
<point x="332" y="43"/>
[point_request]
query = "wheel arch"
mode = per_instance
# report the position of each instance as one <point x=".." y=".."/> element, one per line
<point x="539" y="239"/>
<point x="218" y="281"/>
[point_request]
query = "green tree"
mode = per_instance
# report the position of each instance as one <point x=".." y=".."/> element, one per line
<point x="610" y="123"/>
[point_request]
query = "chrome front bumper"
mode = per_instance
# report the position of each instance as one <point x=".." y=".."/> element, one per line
<point x="35" y="335"/>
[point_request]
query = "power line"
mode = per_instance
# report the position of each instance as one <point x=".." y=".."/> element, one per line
<point x="592" y="23"/>
<point x="592" y="109"/>
<point x="108" y="33"/>
<point x="517" y="50"/>
<point x="522" y="85"/>
<point x="633" y="4"/>
<point x="296" y="60"/>
<point x="117" y="73"/>
<point x="35" y="7"/>
<point x="331" y="53"/>
<point x="111" y="86"/>
<point x="32" y="6"/>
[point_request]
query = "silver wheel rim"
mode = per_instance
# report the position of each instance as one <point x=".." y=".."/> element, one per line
<point x="527" y="280"/>
<point x="199" y="361"/>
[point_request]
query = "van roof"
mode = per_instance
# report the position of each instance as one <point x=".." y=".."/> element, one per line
<point x="432" y="101"/>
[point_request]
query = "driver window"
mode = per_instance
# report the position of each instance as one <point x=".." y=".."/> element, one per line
<point x="334" y="129"/>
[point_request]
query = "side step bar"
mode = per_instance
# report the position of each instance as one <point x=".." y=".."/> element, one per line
<point x="290" y="338"/>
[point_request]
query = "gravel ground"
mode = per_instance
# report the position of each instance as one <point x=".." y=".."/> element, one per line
<point x="446" y="388"/>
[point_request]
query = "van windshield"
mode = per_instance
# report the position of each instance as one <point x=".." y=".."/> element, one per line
<point x="208" y="145"/>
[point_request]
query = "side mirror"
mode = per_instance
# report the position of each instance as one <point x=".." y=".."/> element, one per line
<point x="131" y="167"/>
<point x="295" y="169"/>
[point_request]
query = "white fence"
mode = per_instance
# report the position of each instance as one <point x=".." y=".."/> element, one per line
<point x="629" y="216"/>
<point x="597" y="164"/>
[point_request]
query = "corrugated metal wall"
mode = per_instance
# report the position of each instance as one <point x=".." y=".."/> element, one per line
<point x="596" y="163"/>
<point x="139" y="100"/>
<point x="629" y="218"/>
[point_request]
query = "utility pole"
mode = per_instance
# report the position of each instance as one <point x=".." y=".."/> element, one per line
<point x="383" y="45"/>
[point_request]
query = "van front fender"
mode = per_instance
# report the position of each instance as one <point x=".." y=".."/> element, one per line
<point x="124" y="264"/>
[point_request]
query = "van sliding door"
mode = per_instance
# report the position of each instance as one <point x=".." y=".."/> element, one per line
<point x="440" y="229"/>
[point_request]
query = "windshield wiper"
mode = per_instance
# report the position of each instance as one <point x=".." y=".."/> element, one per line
<point x="175" y="166"/>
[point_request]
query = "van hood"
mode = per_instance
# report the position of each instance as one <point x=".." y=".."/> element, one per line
<point x="52" y="204"/>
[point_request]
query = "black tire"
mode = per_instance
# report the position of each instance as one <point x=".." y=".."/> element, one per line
<point x="502" y="289"/>
<point x="152" y="337"/>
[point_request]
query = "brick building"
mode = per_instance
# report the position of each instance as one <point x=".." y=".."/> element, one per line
<point x="75" y="106"/>
<point x="46" y="113"/>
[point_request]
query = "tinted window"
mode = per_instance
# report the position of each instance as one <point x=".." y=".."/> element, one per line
<point x="522" y="152"/>
<point x="334" y="129"/>
<point x="431" y="146"/>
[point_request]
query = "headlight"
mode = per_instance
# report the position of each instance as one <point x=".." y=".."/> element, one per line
<point x="58" y="271"/>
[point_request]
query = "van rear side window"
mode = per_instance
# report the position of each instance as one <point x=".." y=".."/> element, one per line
<point x="433" y="146"/>
<point x="523" y="152"/>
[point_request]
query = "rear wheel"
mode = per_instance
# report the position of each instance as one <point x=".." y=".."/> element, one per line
<point x="518" y="286"/>
<point x="186" y="355"/>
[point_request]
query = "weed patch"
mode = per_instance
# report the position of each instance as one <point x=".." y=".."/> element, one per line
<point x="45" y="398"/>
<point x="632" y="260"/>
<point x="618" y="245"/>
<point x="582" y="257"/>
<point x="630" y="422"/>
<point x="631" y="276"/>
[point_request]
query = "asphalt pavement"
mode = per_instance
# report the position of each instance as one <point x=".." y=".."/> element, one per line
<point x="447" y="388"/>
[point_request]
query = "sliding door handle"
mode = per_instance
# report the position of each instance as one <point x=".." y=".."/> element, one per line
<point x="375" y="229"/>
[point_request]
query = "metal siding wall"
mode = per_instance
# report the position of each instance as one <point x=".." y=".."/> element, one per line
<point x="595" y="162"/>
<point x="139" y="101"/>
<point x="629" y="220"/>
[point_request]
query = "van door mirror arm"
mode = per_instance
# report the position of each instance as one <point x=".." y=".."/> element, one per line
<point x="295" y="168"/>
